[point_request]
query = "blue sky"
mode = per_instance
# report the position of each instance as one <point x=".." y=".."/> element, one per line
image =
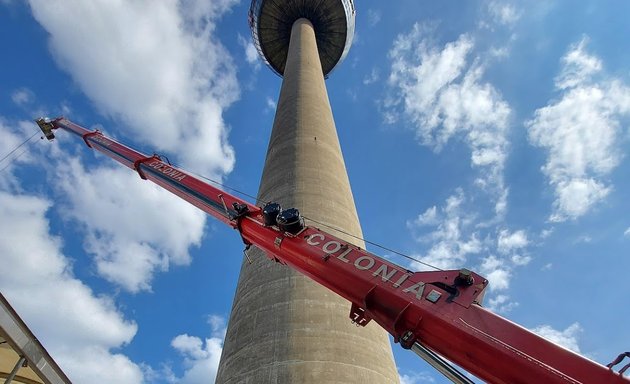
<point x="486" y="134"/>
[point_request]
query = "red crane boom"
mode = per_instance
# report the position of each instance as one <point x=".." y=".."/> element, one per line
<point x="432" y="313"/>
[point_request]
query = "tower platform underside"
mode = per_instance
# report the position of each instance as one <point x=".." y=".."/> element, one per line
<point x="271" y="22"/>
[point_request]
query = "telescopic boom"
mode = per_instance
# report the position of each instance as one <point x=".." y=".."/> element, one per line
<point x="434" y="314"/>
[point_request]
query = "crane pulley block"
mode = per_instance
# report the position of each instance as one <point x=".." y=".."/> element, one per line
<point x="47" y="127"/>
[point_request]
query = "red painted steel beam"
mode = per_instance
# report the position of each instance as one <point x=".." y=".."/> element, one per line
<point x="439" y="309"/>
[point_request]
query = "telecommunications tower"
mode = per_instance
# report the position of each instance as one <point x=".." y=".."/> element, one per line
<point x="284" y="328"/>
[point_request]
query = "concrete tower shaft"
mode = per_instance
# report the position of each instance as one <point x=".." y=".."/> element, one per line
<point x="284" y="328"/>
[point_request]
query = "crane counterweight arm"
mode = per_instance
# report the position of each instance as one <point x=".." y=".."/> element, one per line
<point x="433" y="313"/>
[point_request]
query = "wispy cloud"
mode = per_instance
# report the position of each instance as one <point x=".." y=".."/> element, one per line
<point x="508" y="242"/>
<point x="13" y="150"/>
<point x="497" y="272"/>
<point x="578" y="66"/>
<point x="115" y="53"/>
<point x="503" y="13"/>
<point x="416" y="378"/>
<point x="271" y="104"/>
<point x="372" y="77"/>
<point x="201" y="357"/>
<point x="439" y="91"/>
<point x="580" y="133"/>
<point x="585" y="239"/>
<point x="374" y="17"/>
<point x="501" y="304"/>
<point x="511" y="252"/>
<point x="22" y="96"/>
<point x="80" y="327"/>
<point x="129" y="238"/>
<point x="251" y="54"/>
<point x="450" y="238"/>
<point x="567" y="338"/>
<point x="450" y="241"/>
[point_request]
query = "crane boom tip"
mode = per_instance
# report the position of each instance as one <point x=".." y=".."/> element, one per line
<point x="47" y="127"/>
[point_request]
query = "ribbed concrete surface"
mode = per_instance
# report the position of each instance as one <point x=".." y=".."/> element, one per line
<point x="284" y="328"/>
<point x="333" y="21"/>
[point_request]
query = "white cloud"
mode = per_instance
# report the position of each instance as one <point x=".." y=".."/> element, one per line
<point x="576" y="196"/>
<point x="520" y="260"/>
<point x="12" y="137"/>
<point x="627" y="232"/>
<point x="80" y="329"/>
<point x="580" y="133"/>
<point x="503" y="13"/>
<point x="440" y="92"/>
<point x="77" y="327"/>
<point x="189" y="346"/>
<point x="497" y="271"/>
<point x="97" y="365"/>
<point x="271" y="104"/>
<point x="583" y="239"/>
<point x="22" y="96"/>
<point x="201" y="357"/>
<point x="352" y="94"/>
<point x="545" y="233"/>
<point x="454" y="236"/>
<point x="508" y="242"/>
<point x="499" y="52"/>
<point x="157" y="66"/>
<point x="429" y="217"/>
<point x="374" y="17"/>
<point x="251" y="54"/>
<point x="567" y="338"/>
<point x="456" y="240"/>
<point x="156" y="375"/>
<point x="372" y="77"/>
<point x="416" y="378"/>
<point x="217" y="325"/>
<point x="133" y="228"/>
<point x="501" y="304"/>
<point x="578" y="66"/>
<point x="449" y="247"/>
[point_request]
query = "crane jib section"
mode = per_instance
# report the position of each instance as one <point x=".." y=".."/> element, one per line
<point x="438" y="310"/>
<point x="204" y="196"/>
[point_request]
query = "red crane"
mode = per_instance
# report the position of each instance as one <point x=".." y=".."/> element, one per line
<point x="435" y="314"/>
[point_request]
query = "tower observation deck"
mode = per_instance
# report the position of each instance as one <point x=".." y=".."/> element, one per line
<point x="271" y="22"/>
<point x="285" y="328"/>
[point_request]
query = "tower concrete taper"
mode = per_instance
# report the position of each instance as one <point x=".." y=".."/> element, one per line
<point x="284" y="328"/>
